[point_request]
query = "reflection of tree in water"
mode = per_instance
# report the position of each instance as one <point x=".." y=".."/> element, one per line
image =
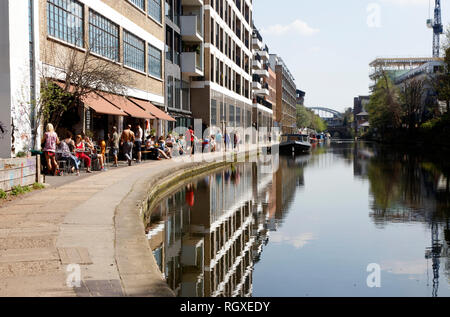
<point x="406" y="187"/>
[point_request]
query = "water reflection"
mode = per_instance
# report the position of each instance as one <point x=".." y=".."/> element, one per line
<point x="242" y="232"/>
<point x="406" y="187"/>
<point x="207" y="237"/>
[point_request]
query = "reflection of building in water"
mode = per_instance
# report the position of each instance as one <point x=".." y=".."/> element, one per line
<point x="206" y="249"/>
<point x="286" y="180"/>
<point x="405" y="189"/>
<point x="361" y="159"/>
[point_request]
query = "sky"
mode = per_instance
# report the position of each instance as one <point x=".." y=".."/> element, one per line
<point x="328" y="44"/>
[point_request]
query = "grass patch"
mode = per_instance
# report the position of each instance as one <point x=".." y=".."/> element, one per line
<point x="3" y="194"/>
<point x="38" y="186"/>
<point x="19" y="190"/>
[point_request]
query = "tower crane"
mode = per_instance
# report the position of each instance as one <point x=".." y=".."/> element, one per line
<point x="434" y="253"/>
<point x="438" y="28"/>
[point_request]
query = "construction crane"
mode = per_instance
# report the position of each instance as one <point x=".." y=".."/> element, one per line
<point x="438" y="28"/>
<point x="434" y="253"/>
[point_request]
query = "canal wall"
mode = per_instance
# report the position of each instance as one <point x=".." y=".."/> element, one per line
<point x="139" y="272"/>
<point x="18" y="172"/>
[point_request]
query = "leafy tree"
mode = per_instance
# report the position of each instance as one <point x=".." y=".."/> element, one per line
<point x="443" y="81"/>
<point x="411" y="96"/>
<point x="384" y="108"/>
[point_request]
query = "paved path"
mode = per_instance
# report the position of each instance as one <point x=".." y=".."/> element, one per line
<point x="95" y="222"/>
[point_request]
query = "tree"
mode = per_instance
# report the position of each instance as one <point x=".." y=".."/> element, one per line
<point x="79" y="73"/>
<point x="411" y="95"/>
<point x="442" y="82"/>
<point x="384" y="108"/>
<point x="308" y="119"/>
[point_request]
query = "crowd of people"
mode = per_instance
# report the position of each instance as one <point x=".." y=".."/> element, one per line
<point x="133" y="144"/>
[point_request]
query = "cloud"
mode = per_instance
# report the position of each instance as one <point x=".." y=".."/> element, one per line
<point x="407" y="2"/>
<point x="298" y="26"/>
<point x="297" y="242"/>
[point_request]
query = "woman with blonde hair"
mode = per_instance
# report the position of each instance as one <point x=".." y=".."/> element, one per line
<point x="50" y="141"/>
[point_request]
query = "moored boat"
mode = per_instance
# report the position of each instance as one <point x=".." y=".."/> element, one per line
<point x="295" y="144"/>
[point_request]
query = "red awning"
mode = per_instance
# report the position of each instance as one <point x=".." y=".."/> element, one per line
<point x="153" y="109"/>
<point x="100" y="105"/>
<point x="127" y="106"/>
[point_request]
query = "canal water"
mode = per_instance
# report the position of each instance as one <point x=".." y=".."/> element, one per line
<point x="350" y="219"/>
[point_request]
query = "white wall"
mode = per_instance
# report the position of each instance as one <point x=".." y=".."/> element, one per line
<point x="20" y="72"/>
<point x="5" y="95"/>
<point x="14" y="76"/>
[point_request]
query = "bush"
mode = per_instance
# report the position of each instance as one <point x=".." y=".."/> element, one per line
<point x="19" y="190"/>
<point x="2" y="194"/>
<point x="21" y="154"/>
<point x="37" y="186"/>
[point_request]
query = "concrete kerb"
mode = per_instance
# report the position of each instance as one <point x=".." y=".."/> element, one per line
<point x="138" y="270"/>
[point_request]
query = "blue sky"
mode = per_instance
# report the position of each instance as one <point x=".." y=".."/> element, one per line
<point x="328" y="44"/>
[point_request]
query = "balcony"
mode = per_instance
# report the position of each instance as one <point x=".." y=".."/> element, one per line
<point x="192" y="63"/>
<point x="262" y="72"/>
<point x="256" y="85"/>
<point x="257" y="44"/>
<point x="193" y="3"/>
<point x="264" y="91"/>
<point x="263" y="54"/>
<point x="256" y="64"/>
<point x="191" y="28"/>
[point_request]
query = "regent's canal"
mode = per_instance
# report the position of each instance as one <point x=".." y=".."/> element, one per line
<point x="311" y="228"/>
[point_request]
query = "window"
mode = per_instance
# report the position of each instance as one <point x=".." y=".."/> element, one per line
<point x="65" y="21"/>
<point x="103" y="36"/>
<point x="177" y="94"/>
<point x="169" y="10"/>
<point x="154" y="9"/>
<point x="232" y="119"/>
<point x="154" y="61"/>
<point x="170" y="92"/>
<point x="138" y="3"/>
<point x="213" y="112"/>
<point x="133" y="51"/>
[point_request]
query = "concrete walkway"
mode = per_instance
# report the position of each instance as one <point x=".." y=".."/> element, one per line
<point x="94" y="222"/>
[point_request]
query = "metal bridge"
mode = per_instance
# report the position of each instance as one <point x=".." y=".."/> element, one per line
<point x="332" y="117"/>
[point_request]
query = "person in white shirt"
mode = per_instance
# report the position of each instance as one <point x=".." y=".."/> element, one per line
<point x="138" y="142"/>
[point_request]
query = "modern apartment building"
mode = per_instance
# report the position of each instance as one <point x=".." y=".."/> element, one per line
<point x="39" y="36"/>
<point x="184" y="56"/>
<point x="286" y="109"/>
<point x="221" y="95"/>
<point x="264" y="85"/>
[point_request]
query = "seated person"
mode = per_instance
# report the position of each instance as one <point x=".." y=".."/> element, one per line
<point x="170" y="141"/>
<point x="64" y="154"/>
<point x="152" y="146"/>
<point x="93" y="153"/>
<point x="213" y="143"/>
<point x="80" y="150"/>
<point x="164" y="148"/>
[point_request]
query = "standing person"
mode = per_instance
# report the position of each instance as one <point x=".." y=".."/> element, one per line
<point x="114" y="141"/>
<point x="50" y="142"/>
<point x="191" y="137"/>
<point x="127" y="142"/>
<point x="138" y="142"/>
<point x="80" y="149"/>
<point x="219" y="140"/>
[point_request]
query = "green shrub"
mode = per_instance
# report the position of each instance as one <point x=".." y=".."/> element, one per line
<point x="2" y="194"/>
<point x="38" y="186"/>
<point x="21" y="154"/>
<point x="19" y="190"/>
